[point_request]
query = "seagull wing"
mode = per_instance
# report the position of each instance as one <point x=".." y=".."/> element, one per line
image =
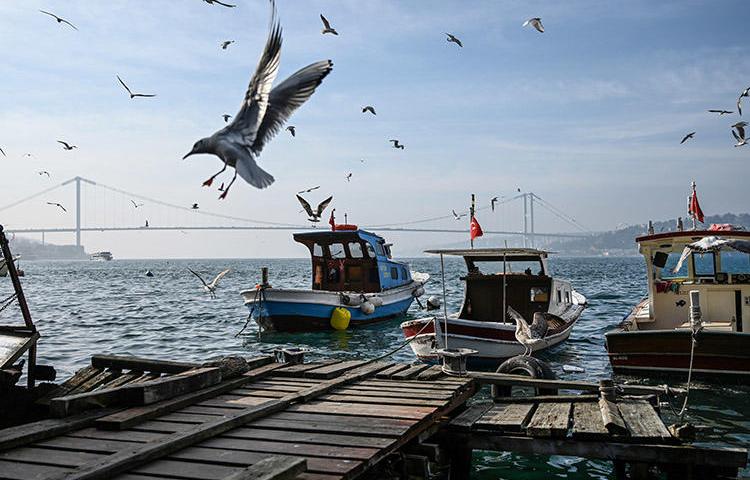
<point x="306" y="206"/>
<point x="216" y="280"/>
<point x="134" y="204"/>
<point x="64" y="143"/>
<point x="735" y="136"/>
<point x="325" y="21"/>
<point x="538" y="327"/>
<point x="739" y="105"/>
<point x="322" y="205"/>
<point x="224" y="4"/>
<point x="741" y="131"/>
<point x="516" y="317"/>
<point x="65" y="21"/>
<point x="199" y="277"/>
<point x="50" y="14"/>
<point x="459" y="42"/>
<point x="3" y="152"/>
<point x="63" y="208"/>
<point x="287" y="97"/>
<point x="123" y="84"/>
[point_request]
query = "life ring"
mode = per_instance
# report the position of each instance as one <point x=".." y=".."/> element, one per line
<point x="528" y="367"/>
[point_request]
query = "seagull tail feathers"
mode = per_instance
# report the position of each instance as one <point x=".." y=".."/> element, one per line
<point x="249" y="170"/>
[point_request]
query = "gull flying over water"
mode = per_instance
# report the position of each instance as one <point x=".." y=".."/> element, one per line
<point x="493" y="201"/>
<point x="43" y="172"/>
<point x="57" y="205"/>
<point x="195" y="207"/>
<point x="210" y="287"/>
<point x="686" y="137"/>
<point x="133" y="95"/>
<point x="226" y="43"/>
<point x="529" y="335"/>
<point x="226" y="117"/>
<point x="720" y="112"/>
<point x="263" y="112"/>
<point x="66" y="145"/>
<point x="348" y="176"/>
<point x="316" y="214"/>
<point x="745" y="93"/>
<point x="396" y="144"/>
<point x="535" y="22"/>
<point x="369" y="108"/>
<point x="211" y="2"/>
<point x="739" y="135"/>
<point x="457" y="216"/>
<point x="3" y="152"/>
<point x="327" y="26"/>
<point x="308" y="190"/>
<point x="292" y="129"/>
<point x="221" y="187"/>
<point x="136" y="205"/>
<point x="59" y="20"/>
<point x="452" y="38"/>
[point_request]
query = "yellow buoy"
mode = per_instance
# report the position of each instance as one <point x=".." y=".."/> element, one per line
<point x="340" y="318"/>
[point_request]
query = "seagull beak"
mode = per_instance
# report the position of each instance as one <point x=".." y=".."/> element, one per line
<point x="191" y="152"/>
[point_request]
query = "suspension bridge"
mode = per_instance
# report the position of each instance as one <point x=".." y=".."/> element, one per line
<point x="101" y="208"/>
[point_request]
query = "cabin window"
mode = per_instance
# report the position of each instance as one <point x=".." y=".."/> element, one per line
<point x="387" y="249"/>
<point x="394" y="273"/>
<point x="539" y="294"/>
<point x="370" y="250"/>
<point x="735" y="262"/>
<point x="672" y="260"/>
<point x="317" y="250"/>
<point x="379" y="249"/>
<point x="559" y="296"/>
<point x="404" y="275"/>
<point x="488" y="267"/>
<point x="703" y="264"/>
<point x="567" y="296"/>
<point x="355" y="250"/>
<point x="337" y="250"/>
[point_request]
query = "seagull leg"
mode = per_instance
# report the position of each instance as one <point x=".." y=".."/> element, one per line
<point x="226" y="190"/>
<point x="208" y="182"/>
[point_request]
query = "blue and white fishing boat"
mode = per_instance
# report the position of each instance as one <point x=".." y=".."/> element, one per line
<point x="355" y="282"/>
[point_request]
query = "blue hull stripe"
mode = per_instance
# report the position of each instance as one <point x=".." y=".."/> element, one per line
<point x="272" y="309"/>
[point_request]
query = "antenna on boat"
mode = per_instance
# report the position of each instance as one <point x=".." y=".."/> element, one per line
<point x="471" y="218"/>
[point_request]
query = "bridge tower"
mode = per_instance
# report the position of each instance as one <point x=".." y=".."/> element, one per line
<point x="78" y="181"/>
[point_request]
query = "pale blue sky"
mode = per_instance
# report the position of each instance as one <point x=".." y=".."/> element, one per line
<point x="588" y="115"/>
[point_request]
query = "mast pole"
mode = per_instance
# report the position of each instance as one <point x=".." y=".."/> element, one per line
<point x="471" y="218"/>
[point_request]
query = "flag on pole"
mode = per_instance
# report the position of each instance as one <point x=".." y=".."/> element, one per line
<point x="475" y="230"/>
<point x="332" y="221"/>
<point x="694" y="209"/>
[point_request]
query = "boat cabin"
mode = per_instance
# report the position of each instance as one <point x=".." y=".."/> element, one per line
<point x="715" y="263"/>
<point x="529" y="288"/>
<point x="352" y="261"/>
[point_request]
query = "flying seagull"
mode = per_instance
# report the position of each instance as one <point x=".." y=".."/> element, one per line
<point x="221" y="187"/>
<point x="211" y="2"/>
<point x="136" y="205"/>
<point x="740" y="134"/>
<point x="195" y="207"/>
<point x="59" y="20"/>
<point x="348" y="177"/>
<point x="314" y="215"/>
<point x="146" y="225"/>
<point x="452" y="38"/>
<point x="529" y="335"/>
<point x="133" y="95"/>
<point x="211" y="287"/>
<point x="535" y="22"/>
<point x="226" y="117"/>
<point x="369" y="108"/>
<point x="457" y="216"/>
<point x="308" y="190"/>
<point x="262" y="114"/>
<point x="226" y="43"/>
<point x="66" y="145"/>
<point x="493" y="201"/>
<point x="44" y="172"/>
<point x="745" y="93"/>
<point x="686" y="137"/>
<point x="396" y="144"/>
<point x="3" y="152"/>
<point x="292" y="129"/>
<point x="57" y="205"/>
<point x="721" y="112"/>
<point x="327" y="26"/>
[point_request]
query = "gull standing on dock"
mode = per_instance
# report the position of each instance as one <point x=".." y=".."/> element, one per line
<point x="262" y="114"/>
<point x="210" y="287"/>
<point x="535" y="22"/>
<point x="529" y="335"/>
<point x="686" y="137"/>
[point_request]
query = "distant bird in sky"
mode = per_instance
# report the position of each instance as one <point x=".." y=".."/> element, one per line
<point x="136" y="205"/>
<point x="57" y="205"/>
<point x="3" y="152"/>
<point x="262" y="114"/>
<point x="133" y="95"/>
<point x="292" y="129"/>
<point x="28" y="155"/>
<point x="349" y="176"/>
<point x="66" y="145"/>
<point x="745" y="93"/>
<point x="396" y="144"/>
<point x="535" y="22"/>
<point x="493" y="201"/>
<point x="369" y="108"/>
<point x="226" y="43"/>
<point x="221" y="187"/>
<point x="739" y="135"/>
<point x="43" y="172"/>
<point x="211" y="287"/>
<point x="327" y="26"/>
<point x="314" y="215"/>
<point x="211" y="2"/>
<point x="226" y="117"/>
<point x="518" y="189"/>
<point x="308" y="190"/>
<point x="452" y="38"/>
<point x="457" y="216"/>
<point x="361" y="160"/>
<point x="146" y="226"/>
<point x="59" y="20"/>
<point x="686" y="137"/>
<point x="195" y="207"/>
<point x="721" y="112"/>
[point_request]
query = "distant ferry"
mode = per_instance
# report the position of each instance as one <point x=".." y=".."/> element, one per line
<point x="355" y="282"/>
<point x="106" y="256"/>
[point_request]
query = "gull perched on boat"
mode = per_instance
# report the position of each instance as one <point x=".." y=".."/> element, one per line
<point x="720" y="112"/>
<point x="327" y="26"/>
<point x="263" y="112"/>
<point x="535" y="22"/>
<point x="453" y="39"/>
<point x="529" y="335"/>
<point x="59" y="20"/>
<point x="745" y="93"/>
<point x="396" y="144"/>
<point x="314" y="215"/>
<point x="369" y="108"/>
<point x="740" y="134"/>
<point x="66" y="145"/>
<point x="686" y="137"/>
<point x="211" y="287"/>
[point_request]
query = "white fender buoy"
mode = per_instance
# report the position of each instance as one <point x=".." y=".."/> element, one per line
<point x="418" y="292"/>
<point x="433" y="303"/>
<point x="367" y="308"/>
<point x="377" y="301"/>
<point x="350" y="300"/>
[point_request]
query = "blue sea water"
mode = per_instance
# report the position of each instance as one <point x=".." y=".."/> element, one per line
<point x="84" y="308"/>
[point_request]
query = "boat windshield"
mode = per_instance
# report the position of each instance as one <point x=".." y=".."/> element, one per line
<point x="735" y="262"/>
<point x="528" y="267"/>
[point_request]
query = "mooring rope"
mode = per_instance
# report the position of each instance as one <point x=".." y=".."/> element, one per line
<point x="694" y="340"/>
<point x="258" y="291"/>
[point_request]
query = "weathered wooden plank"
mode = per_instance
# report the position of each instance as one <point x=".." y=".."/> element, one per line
<point x="92" y="383"/>
<point x="611" y="418"/>
<point x="354" y="375"/>
<point x="548" y="398"/>
<point x="235" y="394"/>
<point x="549" y="420"/>
<point x="394" y="369"/>
<point x="235" y="401"/>
<point x="124" y="436"/>
<point x="179" y="417"/>
<point x="333" y="370"/>
<point x="245" y="390"/>
<point x="299" y="369"/>
<point x="417" y="385"/>
<point x="216" y="411"/>
<point x="432" y="373"/>
<point x="305" y="449"/>
<point x="643" y="422"/>
<point x="312" y="436"/>
<point x="363" y="426"/>
<point x="147" y="376"/>
<point x="173" y="468"/>
<point x="467" y="418"/>
<point x="272" y="468"/>
<point x="411" y="372"/>
<point x="510" y="417"/>
<point x="28" y="471"/>
<point x="395" y="393"/>
<point x="390" y="411"/>
<point x="77" y="379"/>
<point x="55" y="458"/>
<point x="88" y="445"/>
<point x="33" y="432"/>
<point x="383" y="400"/>
<point x="161" y="427"/>
<point x="587" y="422"/>
<point x="138" y="363"/>
<point x="259" y="361"/>
<point x="124" y="378"/>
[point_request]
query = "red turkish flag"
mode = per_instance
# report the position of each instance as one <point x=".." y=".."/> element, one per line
<point x="695" y="209"/>
<point x="332" y="221"/>
<point x="475" y="230"/>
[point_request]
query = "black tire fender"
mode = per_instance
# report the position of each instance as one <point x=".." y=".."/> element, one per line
<point x="528" y="367"/>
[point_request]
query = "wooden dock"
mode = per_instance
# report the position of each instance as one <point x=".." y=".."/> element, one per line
<point x="129" y="419"/>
